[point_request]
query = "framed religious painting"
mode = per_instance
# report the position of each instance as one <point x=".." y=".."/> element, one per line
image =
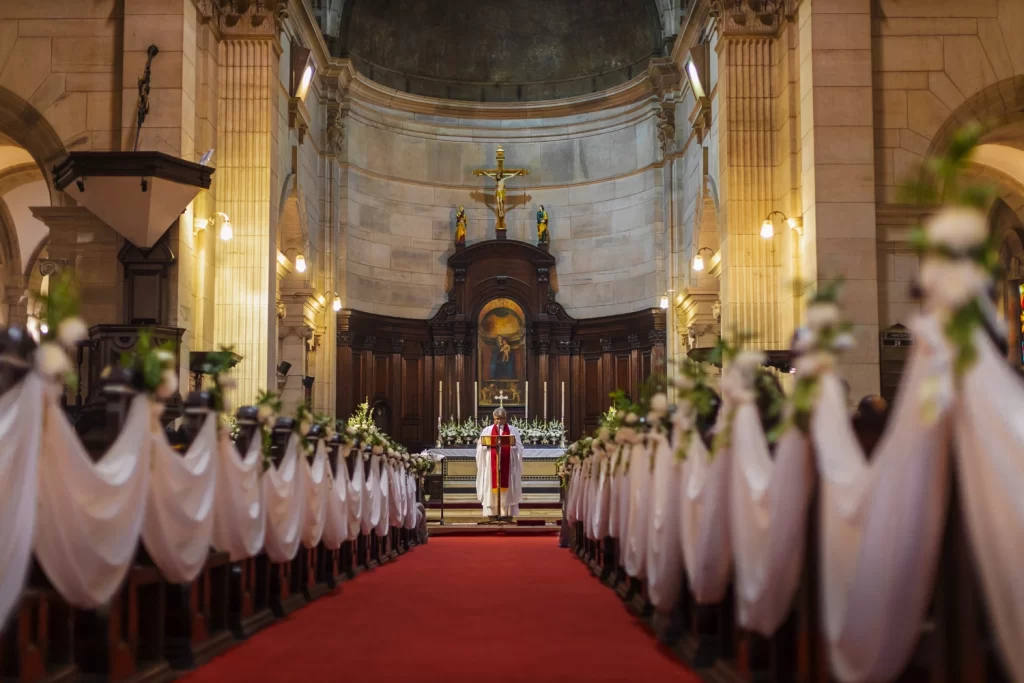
<point x="501" y="353"/>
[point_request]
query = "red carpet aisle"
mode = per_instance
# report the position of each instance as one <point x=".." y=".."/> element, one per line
<point x="430" y="618"/>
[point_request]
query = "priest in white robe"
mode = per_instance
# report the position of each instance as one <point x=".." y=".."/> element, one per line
<point x="510" y="464"/>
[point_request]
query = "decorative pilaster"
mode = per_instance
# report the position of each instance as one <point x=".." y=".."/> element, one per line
<point x="246" y="266"/>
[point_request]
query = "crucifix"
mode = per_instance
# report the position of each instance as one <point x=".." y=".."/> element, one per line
<point x="500" y="174"/>
<point x="501" y="398"/>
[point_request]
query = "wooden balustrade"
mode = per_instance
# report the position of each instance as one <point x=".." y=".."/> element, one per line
<point x="152" y="629"/>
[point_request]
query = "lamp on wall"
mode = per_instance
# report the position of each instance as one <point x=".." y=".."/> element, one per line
<point x="664" y="302"/>
<point x="768" y="226"/>
<point x="300" y="259"/>
<point x="226" y="231"/>
<point x="698" y="260"/>
<point x="303" y="70"/>
<point x="336" y="304"/>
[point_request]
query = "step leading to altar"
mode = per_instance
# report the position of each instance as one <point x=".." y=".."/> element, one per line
<point x="541" y="488"/>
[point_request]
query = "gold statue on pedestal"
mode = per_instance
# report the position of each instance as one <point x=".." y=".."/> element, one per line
<point x="542" y="225"/>
<point x="500" y="174"/>
<point x="460" y="226"/>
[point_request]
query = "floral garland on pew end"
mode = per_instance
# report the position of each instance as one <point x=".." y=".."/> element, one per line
<point x="216" y="366"/>
<point x="152" y="369"/>
<point x="268" y="407"/>
<point x="959" y="254"/>
<point x="815" y="350"/>
<point x="740" y="381"/>
<point x="61" y="328"/>
<point x="694" y="392"/>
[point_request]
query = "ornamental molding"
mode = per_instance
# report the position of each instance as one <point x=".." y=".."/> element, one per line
<point x="243" y="18"/>
<point x="334" y="132"/>
<point x="752" y="18"/>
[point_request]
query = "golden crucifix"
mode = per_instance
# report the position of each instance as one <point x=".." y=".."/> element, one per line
<point x="500" y="175"/>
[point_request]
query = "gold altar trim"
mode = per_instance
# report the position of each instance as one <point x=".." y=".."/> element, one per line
<point x="500" y="440"/>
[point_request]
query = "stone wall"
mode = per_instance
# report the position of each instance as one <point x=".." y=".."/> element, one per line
<point x="594" y="173"/>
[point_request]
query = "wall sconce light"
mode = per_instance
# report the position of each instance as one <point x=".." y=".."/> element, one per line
<point x="303" y="70"/>
<point x="698" y="260"/>
<point x="664" y="302"/>
<point x="226" y="231"/>
<point x="768" y="226"/>
<point x="336" y="305"/>
<point x="300" y="259"/>
<point x="283" y="367"/>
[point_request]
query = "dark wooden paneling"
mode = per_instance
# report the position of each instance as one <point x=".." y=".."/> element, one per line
<point x="412" y="399"/>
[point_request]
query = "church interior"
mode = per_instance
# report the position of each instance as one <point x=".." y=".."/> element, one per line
<point x="432" y="340"/>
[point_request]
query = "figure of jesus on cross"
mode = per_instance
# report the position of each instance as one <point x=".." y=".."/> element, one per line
<point x="500" y="174"/>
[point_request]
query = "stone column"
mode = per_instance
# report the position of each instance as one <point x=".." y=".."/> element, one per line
<point x="837" y="139"/>
<point x="246" y="266"/>
<point x="751" y="271"/>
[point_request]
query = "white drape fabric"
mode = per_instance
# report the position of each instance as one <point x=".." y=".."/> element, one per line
<point x="635" y="558"/>
<point x="317" y="484"/>
<point x="664" y="552"/>
<point x="284" y="492"/>
<point x="336" y="518"/>
<point x="384" y="522"/>
<point x="881" y="522"/>
<point x="768" y="520"/>
<point x="178" y="529"/>
<point x="584" y="506"/>
<point x="614" y="482"/>
<point x="990" y="468"/>
<point x="397" y="498"/>
<point x="412" y="511"/>
<point x="240" y="516"/>
<point x="90" y="515"/>
<point x="21" y="422"/>
<point x="571" y="495"/>
<point x="371" y="494"/>
<point x="602" y="497"/>
<point x="704" y="517"/>
<point x="357" y="499"/>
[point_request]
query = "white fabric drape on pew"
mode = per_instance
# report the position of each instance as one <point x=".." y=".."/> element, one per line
<point x="639" y="508"/>
<point x="240" y="515"/>
<point x="357" y="500"/>
<point x="284" y="494"/>
<point x="881" y="522"/>
<point x="21" y="422"/>
<point x="614" y="477"/>
<point x="704" y="519"/>
<point x="384" y="523"/>
<point x="623" y="502"/>
<point x="664" y="553"/>
<point x="90" y="514"/>
<point x="397" y="497"/>
<point x="990" y="465"/>
<point x="336" y="519"/>
<point x="317" y="484"/>
<point x="600" y="502"/>
<point x="768" y="519"/>
<point x="581" y="496"/>
<point x="180" y="508"/>
<point x="371" y="494"/>
<point x="574" y="491"/>
<point x="411" y="512"/>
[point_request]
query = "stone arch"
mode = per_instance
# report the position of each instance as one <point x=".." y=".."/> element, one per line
<point x="292" y="221"/>
<point x="994" y="106"/>
<point x="1009" y="230"/>
<point x="25" y="126"/>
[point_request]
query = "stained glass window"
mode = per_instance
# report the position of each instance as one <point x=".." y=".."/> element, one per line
<point x="1020" y="320"/>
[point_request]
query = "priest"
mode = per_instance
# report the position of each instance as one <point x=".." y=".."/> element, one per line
<point x="499" y="467"/>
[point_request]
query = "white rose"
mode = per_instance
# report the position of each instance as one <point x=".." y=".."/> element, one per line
<point x="377" y="450"/>
<point x="52" y="360"/>
<point x="814" y="364"/>
<point x="844" y="342"/>
<point x="659" y="403"/>
<point x="620" y="415"/>
<point x="959" y="228"/>
<point x="749" y="360"/>
<point x="304" y="427"/>
<point x="164" y="356"/>
<point x="168" y="384"/>
<point x="631" y="419"/>
<point x="684" y="382"/>
<point x="822" y="314"/>
<point x="329" y="432"/>
<point x="72" y="331"/>
<point x="351" y="431"/>
<point x="603" y="434"/>
<point x="951" y="284"/>
<point x="804" y="341"/>
<point x="263" y="413"/>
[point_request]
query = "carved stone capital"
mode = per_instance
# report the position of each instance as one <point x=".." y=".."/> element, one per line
<point x="53" y="266"/>
<point x="244" y="17"/>
<point x="543" y="346"/>
<point x="462" y="347"/>
<point x="657" y="336"/>
<point x="752" y="17"/>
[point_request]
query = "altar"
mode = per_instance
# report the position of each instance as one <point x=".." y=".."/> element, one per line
<point x="541" y="487"/>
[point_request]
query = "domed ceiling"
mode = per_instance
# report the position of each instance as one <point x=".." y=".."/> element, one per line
<point x="500" y="51"/>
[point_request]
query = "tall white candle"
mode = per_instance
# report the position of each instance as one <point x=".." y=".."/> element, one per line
<point x="440" y="401"/>
<point x="563" y="403"/>
<point x="545" y="401"/>
<point x="526" y="412"/>
<point x="476" y="397"/>
<point x="458" y="402"/>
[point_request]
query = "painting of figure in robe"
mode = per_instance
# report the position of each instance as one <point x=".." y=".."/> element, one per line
<point x="501" y="353"/>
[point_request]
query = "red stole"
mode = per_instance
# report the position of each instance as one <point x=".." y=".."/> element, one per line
<point x="506" y="460"/>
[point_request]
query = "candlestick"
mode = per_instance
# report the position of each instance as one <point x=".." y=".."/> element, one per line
<point x="545" y="401"/>
<point x="440" y="401"/>
<point x="526" y="411"/>
<point x="563" y="404"/>
<point x="476" y="397"/>
<point x="458" y="402"/>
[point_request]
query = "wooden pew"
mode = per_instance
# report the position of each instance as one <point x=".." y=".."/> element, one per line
<point x="198" y="614"/>
<point x="249" y="605"/>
